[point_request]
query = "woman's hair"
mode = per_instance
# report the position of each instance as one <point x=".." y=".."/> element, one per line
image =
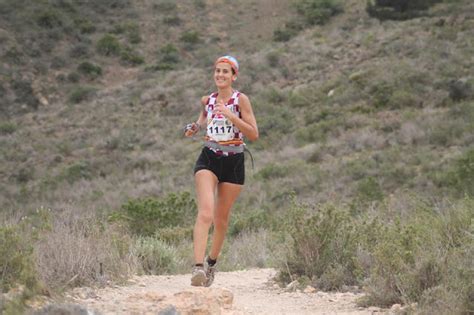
<point x="230" y="60"/>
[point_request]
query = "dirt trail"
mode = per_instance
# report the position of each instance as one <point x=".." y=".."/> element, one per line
<point x="253" y="292"/>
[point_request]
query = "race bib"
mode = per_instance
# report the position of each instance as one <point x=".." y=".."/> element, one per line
<point x="220" y="129"/>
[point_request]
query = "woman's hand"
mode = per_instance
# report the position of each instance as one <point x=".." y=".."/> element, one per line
<point x="191" y="129"/>
<point x="221" y="109"/>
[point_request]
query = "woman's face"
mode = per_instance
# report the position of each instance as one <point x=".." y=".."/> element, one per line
<point x="223" y="76"/>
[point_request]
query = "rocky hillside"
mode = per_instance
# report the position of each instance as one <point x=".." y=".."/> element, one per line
<point x="95" y="96"/>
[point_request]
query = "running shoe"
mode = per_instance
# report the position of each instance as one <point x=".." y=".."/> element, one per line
<point x="210" y="274"/>
<point x="198" y="277"/>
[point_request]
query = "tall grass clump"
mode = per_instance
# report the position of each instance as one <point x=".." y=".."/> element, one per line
<point x="80" y="251"/>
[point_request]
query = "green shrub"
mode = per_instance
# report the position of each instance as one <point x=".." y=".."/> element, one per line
<point x="460" y="177"/>
<point x="398" y="9"/>
<point x="89" y="69"/>
<point x="273" y="59"/>
<point x="85" y="26"/>
<point x="24" y="93"/>
<point x="368" y="189"/>
<point x="15" y="56"/>
<point x="155" y="256"/>
<point x="77" y="171"/>
<point x="190" y="38"/>
<point x="74" y="77"/>
<point x="16" y="259"/>
<point x="108" y="45"/>
<point x="168" y="58"/>
<point x="147" y="216"/>
<point x="165" y="6"/>
<point x="318" y="11"/>
<point x="250" y="221"/>
<point x="131" y="57"/>
<point x="277" y="122"/>
<point x="7" y="128"/>
<point x="79" y="51"/>
<point x="419" y="254"/>
<point x="81" y="93"/>
<point x="324" y="245"/>
<point x="316" y="132"/>
<point x="24" y="174"/>
<point x="49" y="19"/>
<point x="272" y="171"/>
<point x="172" y="20"/>
<point x="199" y="4"/>
<point x="284" y="34"/>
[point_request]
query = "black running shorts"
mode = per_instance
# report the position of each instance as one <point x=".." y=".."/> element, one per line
<point x="228" y="169"/>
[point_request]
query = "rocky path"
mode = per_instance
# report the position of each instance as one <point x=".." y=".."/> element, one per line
<point x="238" y="292"/>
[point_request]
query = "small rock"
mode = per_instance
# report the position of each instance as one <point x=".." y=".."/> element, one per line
<point x="66" y="309"/>
<point x="396" y="307"/>
<point x="292" y="286"/>
<point x="169" y="310"/>
<point x="309" y="289"/>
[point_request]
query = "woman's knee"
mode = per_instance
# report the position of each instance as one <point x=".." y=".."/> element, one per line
<point x="205" y="217"/>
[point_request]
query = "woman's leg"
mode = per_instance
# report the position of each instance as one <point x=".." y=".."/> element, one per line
<point x="206" y="183"/>
<point x="227" y="193"/>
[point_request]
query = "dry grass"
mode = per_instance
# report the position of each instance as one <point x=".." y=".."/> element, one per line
<point x="78" y="252"/>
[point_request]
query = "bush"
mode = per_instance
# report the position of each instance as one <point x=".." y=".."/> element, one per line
<point x="419" y="254"/>
<point x="49" y="19"/>
<point x="324" y="245"/>
<point x="16" y="259"/>
<point x="318" y="11"/>
<point x="461" y="175"/>
<point x="77" y="171"/>
<point x="165" y="6"/>
<point x="7" y="128"/>
<point x="131" y="57"/>
<point x="155" y="256"/>
<point x="81" y="251"/>
<point x="368" y="189"/>
<point x="272" y="171"/>
<point x="24" y="93"/>
<point x="81" y="93"/>
<point x="147" y="216"/>
<point x="288" y="31"/>
<point x="79" y="51"/>
<point x="168" y="58"/>
<point x="89" y="69"/>
<point x="190" y="38"/>
<point x="250" y="221"/>
<point x="108" y="45"/>
<point x="398" y="9"/>
<point x="85" y="26"/>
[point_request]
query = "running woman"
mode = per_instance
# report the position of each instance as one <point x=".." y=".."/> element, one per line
<point x="219" y="172"/>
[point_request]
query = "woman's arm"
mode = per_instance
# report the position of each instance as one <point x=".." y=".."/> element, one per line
<point x="200" y="122"/>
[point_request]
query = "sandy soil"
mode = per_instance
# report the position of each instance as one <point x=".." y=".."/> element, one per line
<point x="254" y="292"/>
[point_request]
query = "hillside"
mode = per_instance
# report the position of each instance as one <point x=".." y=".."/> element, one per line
<point x="372" y="117"/>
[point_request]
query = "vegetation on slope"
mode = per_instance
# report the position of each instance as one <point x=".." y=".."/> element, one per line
<point x="363" y="171"/>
